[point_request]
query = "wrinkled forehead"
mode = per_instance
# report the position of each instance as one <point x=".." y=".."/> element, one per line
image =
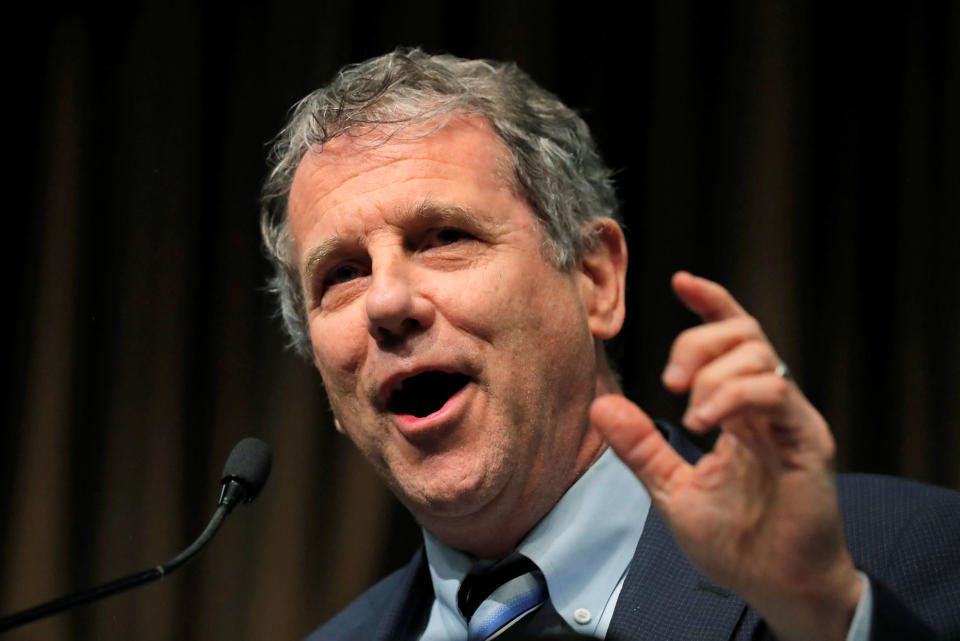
<point x="361" y="161"/>
<point x="453" y="135"/>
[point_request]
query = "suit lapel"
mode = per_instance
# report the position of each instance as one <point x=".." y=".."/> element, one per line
<point x="663" y="595"/>
<point x="399" y="616"/>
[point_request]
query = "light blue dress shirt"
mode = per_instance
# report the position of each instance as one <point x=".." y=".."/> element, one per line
<point x="583" y="547"/>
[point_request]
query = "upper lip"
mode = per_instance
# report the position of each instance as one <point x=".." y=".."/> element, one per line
<point x="391" y="382"/>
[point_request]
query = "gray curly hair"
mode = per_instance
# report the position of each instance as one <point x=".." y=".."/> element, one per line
<point x="555" y="161"/>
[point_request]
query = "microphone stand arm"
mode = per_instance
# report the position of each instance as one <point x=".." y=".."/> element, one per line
<point x="125" y="583"/>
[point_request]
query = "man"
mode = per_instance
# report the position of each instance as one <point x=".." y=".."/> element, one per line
<point x="448" y="255"/>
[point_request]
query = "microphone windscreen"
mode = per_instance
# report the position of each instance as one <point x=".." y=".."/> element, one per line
<point x="249" y="463"/>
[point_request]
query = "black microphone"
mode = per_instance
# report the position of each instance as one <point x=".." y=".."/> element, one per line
<point x="244" y="475"/>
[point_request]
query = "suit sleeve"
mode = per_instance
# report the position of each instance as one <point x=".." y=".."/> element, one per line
<point x="916" y="592"/>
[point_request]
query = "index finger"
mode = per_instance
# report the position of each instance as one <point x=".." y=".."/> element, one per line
<point x="705" y="298"/>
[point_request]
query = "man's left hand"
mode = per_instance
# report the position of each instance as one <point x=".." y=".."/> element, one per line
<point x="758" y="514"/>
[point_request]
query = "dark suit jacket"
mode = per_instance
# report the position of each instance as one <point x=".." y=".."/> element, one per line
<point x="904" y="535"/>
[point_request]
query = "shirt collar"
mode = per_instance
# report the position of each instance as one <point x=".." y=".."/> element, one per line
<point x="583" y="545"/>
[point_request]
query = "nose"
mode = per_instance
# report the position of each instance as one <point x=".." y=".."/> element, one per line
<point x="395" y="308"/>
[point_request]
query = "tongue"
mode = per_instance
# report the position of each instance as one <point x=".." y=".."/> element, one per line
<point x="425" y="393"/>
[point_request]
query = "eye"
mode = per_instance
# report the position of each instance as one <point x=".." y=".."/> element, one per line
<point x="447" y="236"/>
<point x="342" y="274"/>
<point x="337" y="284"/>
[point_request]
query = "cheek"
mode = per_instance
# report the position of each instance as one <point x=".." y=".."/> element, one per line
<point x="338" y="348"/>
<point x="542" y="303"/>
<point x="520" y="310"/>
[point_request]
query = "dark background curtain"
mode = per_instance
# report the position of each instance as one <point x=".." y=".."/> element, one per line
<point x="807" y="155"/>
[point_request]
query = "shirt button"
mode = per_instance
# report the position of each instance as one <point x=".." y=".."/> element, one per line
<point x="581" y="616"/>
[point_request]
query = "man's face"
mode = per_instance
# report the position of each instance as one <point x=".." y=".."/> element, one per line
<point x="454" y="355"/>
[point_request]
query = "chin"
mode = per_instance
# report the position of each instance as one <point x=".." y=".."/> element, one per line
<point x="452" y="491"/>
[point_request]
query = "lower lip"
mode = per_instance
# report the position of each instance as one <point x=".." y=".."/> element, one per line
<point x="412" y="425"/>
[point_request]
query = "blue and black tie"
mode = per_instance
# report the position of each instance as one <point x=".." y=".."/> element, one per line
<point x="495" y="597"/>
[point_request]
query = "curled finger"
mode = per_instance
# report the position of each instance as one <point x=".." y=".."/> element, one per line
<point x="698" y="346"/>
<point x="764" y="393"/>
<point x="748" y="358"/>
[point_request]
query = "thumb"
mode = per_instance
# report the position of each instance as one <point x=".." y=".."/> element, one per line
<point x="637" y="442"/>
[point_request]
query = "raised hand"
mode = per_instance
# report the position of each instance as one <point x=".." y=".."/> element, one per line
<point x="759" y="513"/>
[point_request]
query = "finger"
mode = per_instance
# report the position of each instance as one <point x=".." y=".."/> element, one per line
<point x="637" y="442"/>
<point x="707" y="299"/>
<point x="766" y="393"/>
<point x="747" y="358"/>
<point x="697" y="346"/>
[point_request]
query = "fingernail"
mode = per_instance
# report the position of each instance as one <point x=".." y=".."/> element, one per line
<point x="673" y="375"/>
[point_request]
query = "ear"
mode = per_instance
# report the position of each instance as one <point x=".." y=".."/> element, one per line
<point x="603" y="275"/>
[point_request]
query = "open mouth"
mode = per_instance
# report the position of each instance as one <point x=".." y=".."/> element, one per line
<point x="425" y="393"/>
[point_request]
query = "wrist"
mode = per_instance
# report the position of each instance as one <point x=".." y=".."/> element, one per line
<point x="823" y="613"/>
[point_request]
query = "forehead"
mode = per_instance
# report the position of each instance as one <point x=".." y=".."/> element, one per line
<point x="353" y="173"/>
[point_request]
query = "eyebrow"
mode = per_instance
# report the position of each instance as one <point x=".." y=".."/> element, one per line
<point x="320" y="252"/>
<point x="433" y="211"/>
<point x="426" y="211"/>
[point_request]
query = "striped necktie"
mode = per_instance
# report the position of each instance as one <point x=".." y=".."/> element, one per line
<point x="494" y="598"/>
